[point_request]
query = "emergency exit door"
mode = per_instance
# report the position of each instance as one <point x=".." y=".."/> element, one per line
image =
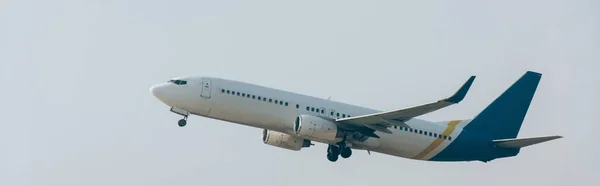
<point x="206" y="88"/>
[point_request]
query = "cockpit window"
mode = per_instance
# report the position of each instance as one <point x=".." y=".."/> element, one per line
<point x="178" y="82"/>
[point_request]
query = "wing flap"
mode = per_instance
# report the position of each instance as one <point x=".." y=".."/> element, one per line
<point x="378" y="128"/>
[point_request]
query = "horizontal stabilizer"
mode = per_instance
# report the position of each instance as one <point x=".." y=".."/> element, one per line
<point x="518" y="143"/>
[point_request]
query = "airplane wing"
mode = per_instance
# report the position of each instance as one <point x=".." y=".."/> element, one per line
<point x="381" y="121"/>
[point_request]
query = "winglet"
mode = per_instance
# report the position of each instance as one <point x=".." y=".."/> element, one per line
<point x="460" y="94"/>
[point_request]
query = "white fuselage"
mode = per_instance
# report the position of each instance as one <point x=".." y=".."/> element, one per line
<point x="276" y="110"/>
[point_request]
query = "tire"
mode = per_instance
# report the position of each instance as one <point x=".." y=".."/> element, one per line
<point x="331" y="158"/>
<point x="346" y="152"/>
<point x="182" y="123"/>
<point x="333" y="150"/>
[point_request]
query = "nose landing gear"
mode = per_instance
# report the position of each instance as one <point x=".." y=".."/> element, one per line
<point x="182" y="122"/>
<point x="184" y="113"/>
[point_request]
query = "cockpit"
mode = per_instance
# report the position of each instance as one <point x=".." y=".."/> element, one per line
<point x="178" y="82"/>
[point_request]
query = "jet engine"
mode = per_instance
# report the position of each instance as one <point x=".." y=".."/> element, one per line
<point x="283" y="140"/>
<point x="316" y="128"/>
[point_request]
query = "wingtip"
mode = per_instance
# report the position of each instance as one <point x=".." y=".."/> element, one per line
<point x="462" y="92"/>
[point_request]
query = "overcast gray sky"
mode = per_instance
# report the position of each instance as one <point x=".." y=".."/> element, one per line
<point x="76" y="108"/>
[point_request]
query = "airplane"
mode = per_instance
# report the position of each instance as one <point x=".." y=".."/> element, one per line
<point x="293" y="121"/>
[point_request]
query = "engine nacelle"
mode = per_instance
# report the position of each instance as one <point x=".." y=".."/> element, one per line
<point x="283" y="140"/>
<point x="316" y="128"/>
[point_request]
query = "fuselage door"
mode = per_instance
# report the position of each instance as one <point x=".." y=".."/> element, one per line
<point x="206" y="87"/>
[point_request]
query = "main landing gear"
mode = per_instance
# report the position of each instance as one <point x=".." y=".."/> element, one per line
<point x="333" y="151"/>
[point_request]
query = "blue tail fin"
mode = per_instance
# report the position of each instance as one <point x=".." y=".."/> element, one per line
<point x="503" y="118"/>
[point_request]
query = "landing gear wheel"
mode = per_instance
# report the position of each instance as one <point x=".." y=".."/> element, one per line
<point x="331" y="157"/>
<point x="333" y="150"/>
<point x="182" y="122"/>
<point x="346" y="152"/>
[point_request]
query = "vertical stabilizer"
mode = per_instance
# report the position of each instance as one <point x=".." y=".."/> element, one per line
<point x="503" y="118"/>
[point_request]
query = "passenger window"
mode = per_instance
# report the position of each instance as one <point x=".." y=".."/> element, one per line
<point x="430" y="134"/>
<point x="317" y="110"/>
<point x="253" y="97"/>
<point x="248" y="95"/>
<point x="265" y="99"/>
<point x="237" y="93"/>
<point x="222" y="90"/>
<point x="270" y="100"/>
<point x="322" y="111"/>
<point x="228" y="92"/>
<point x="243" y="95"/>
<point x="338" y="114"/>
<point x="332" y="113"/>
<point x="449" y="137"/>
<point x="275" y="101"/>
<point x="259" y="98"/>
<point x="445" y="137"/>
<point x="420" y="132"/>
<point x="233" y="92"/>
<point x="405" y="129"/>
<point x="297" y="106"/>
<point x="307" y="108"/>
<point x="286" y="104"/>
<point x="312" y="109"/>
<point x="349" y="116"/>
<point x="434" y="135"/>
<point x="280" y="102"/>
<point x="394" y="126"/>
<point x="343" y="115"/>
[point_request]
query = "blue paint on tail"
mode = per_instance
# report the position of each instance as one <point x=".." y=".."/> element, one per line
<point x="502" y="119"/>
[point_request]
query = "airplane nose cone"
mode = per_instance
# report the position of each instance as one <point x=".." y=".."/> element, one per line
<point x="153" y="90"/>
<point x="158" y="91"/>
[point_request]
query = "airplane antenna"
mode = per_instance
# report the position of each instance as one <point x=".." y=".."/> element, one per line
<point x="329" y="98"/>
